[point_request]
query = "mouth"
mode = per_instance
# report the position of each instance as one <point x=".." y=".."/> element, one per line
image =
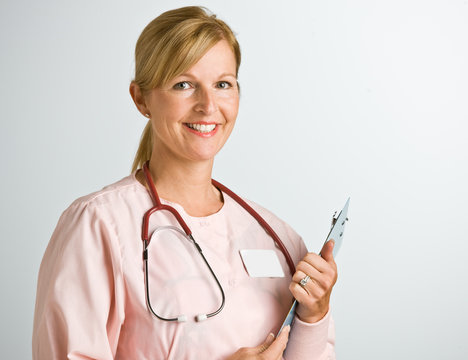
<point x="202" y="129"/>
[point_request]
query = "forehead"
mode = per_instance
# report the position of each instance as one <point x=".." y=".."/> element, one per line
<point x="218" y="60"/>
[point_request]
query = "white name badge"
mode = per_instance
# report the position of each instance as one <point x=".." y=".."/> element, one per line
<point x="261" y="263"/>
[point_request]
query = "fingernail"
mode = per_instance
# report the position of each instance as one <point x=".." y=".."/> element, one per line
<point x="286" y="328"/>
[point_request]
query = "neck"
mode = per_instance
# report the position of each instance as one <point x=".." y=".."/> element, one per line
<point x="186" y="183"/>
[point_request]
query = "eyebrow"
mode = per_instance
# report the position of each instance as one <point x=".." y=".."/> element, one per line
<point x="228" y="74"/>
<point x="221" y="75"/>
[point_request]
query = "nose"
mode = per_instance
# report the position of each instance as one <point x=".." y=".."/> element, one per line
<point x="206" y="101"/>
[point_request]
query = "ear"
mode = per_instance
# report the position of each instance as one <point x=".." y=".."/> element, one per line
<point x="139" y="99"/>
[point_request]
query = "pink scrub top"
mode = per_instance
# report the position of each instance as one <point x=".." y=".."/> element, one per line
<point x="91" y="300"/>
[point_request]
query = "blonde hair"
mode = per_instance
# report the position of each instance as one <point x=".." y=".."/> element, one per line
<point x="168" y="46"/>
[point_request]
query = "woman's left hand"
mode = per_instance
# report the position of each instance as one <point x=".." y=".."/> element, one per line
<point x="314" y="296"/>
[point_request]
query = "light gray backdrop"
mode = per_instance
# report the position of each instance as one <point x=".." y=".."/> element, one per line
<point x="358" y="98"/>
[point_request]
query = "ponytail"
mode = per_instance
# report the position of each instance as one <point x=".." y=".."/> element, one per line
<point x="145" y="148"/>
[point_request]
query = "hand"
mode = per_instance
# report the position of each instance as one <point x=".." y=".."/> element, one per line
<point x="271" y="349"/>
<point x="314" y="297"/>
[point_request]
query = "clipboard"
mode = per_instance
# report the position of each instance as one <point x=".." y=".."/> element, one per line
<point x="336" y="233"/>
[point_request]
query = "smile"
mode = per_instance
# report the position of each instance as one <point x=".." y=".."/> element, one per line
<point x="201" y="128"/>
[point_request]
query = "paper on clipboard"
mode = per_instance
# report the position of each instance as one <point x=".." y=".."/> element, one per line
<point x="336" y="233"/>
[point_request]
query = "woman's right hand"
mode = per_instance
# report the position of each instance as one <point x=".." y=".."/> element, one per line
<point x="271" y="349"/>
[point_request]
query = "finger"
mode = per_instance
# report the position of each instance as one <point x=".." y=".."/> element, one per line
<point x="317" y="285"/>
<point x="317" y="261"/>
<point x="327" y="250"/>
<point x="304" y="296"/>
<point x="276" y="348"/>
<point x="298" y="276"/>
<point x="304" y="268"/>
<point x="270" y="338"/>
<point x="311" y="283"/>
<point x="316" y="278"/>
<point x="298" y="291"/>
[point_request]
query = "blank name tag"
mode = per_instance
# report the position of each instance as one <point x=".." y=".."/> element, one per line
<point x="261" y="263"/>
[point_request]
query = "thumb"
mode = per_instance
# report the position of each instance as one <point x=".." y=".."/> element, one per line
<point x="268" y="341"/>
<point x="327" y="250"/>
<point x="277" y="347"/>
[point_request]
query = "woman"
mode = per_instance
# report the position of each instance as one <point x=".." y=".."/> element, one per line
<point x="95" y="299"/>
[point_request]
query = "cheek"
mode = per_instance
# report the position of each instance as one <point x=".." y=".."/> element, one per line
<point x="232" y="109"/>
<point x="169" y="110"/>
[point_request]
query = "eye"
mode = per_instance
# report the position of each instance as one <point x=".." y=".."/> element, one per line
<point x="224" y="85"/>
<point x="183" y="85"/>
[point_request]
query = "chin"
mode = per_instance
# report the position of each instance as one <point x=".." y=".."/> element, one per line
<point x="202" y="157"/>
<point x="203" y="153"/>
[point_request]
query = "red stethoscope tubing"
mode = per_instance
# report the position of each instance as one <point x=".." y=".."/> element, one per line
<point x="158" y="206"/>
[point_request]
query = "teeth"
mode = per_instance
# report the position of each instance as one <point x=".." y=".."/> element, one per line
<point x="202" y="128"/>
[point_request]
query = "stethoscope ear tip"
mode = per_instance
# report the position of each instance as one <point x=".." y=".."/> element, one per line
<point x="182" y="318"/>
<point x="201" y="317"/>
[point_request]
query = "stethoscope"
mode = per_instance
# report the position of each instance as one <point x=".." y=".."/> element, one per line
<point x="188" y="234"/>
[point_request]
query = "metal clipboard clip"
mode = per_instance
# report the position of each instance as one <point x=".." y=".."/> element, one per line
<point x="337" y="228"/>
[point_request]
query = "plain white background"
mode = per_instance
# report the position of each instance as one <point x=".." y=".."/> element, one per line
<point x="358" y="98"/>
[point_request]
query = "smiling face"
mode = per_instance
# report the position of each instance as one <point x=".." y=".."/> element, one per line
<point x="193" y="114"/>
